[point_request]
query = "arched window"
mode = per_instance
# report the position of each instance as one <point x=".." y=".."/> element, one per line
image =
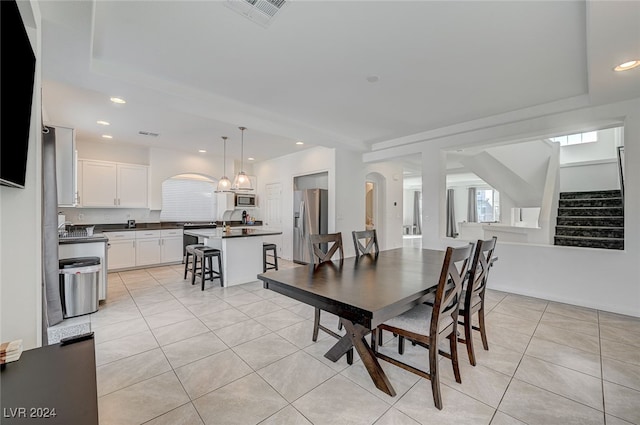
<point x="189" y="197"/>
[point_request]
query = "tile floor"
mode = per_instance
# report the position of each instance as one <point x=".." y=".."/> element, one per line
<point x="168" y="353"/>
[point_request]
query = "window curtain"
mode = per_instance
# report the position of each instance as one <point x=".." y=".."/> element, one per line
<point x="417" y="216"/>
<point x="50" y="266"/>
<point x="472" y="206"/>
<point x="451" y="215"/>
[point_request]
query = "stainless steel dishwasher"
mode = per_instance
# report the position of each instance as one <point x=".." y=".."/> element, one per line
<point x="79" y="279"/>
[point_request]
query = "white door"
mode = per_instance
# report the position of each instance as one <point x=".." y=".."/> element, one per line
<point x="273" y="206"/>
<point x="98" y="184"/>
<point x="273" y="214"/>
<point x="132" y="186"/>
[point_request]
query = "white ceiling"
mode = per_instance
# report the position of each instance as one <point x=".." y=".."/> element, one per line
<point x="194" y="71"/>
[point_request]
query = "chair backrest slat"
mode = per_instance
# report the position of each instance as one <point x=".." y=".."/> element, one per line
<point x="318" y="242"/>
<point x="479" y="269"/>
<point x="452" y="277"/>
<point x="372" y="242"/>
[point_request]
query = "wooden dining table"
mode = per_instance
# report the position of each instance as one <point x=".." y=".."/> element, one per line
<point x="363" y="292"/>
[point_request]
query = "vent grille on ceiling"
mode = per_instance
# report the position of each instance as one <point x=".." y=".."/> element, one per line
<point x="259" y="11"/>
<point x="148" y="133"/>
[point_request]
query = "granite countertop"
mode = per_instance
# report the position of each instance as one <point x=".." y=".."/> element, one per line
<point x="83" y="239"/>
<point x="122" y="227"/>
<point x="232" y="233"/>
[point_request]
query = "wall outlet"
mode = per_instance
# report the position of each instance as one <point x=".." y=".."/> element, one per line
<point x="80" y="217"/>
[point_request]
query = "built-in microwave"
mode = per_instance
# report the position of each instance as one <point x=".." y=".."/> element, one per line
<point x="245" y="200"/>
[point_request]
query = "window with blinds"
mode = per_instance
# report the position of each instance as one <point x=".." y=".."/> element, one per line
<point x="188" y="198"/>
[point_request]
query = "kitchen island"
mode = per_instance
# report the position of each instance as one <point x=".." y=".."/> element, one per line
<point x="241" y="251"/>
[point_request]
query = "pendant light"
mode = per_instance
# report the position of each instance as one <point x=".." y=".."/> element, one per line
<point x="242" y="181"/>
<point x="224" y="184"/>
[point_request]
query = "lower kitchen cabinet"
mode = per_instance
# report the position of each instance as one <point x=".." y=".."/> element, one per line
<point x="171" y="246"/>
<point x="148" y="247"/>
<point x="122" y="250"/>
<point x="139" y="248"/>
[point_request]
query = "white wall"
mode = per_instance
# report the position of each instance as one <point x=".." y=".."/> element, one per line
<point x="21" y="224"/>
<point x="283" y="170"/>
<point x="350" y="197"/>
<point x="582" y="177"/>
<point x="605" y="148"/>
<point x="115" y="152"/>
<point x="166" y="163"/>
<point x="591" y="166"/>
<point x="604" y="279"/>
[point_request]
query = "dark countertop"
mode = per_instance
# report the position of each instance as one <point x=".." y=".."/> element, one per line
<point x="122" y="227"/>
<point x="233" y="233"/>
<point x="83" y="239"/>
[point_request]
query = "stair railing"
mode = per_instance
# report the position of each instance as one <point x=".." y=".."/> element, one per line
<point x="621" y="169"/>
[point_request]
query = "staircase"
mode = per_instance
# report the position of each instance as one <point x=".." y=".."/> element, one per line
<point x="591" y="219"/>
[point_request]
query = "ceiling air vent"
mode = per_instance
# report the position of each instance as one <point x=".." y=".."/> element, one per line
<point x="148" y="133"/>
<point x="259" y="11"/>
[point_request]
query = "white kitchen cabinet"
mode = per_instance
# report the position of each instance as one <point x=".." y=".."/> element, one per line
<point x="99" y="187"/>
<point x="66" y="166"/>
<point x="121" y="250"/>
<point x="137" y="248"/>
<point x="112" y="184"/>
<point x="133" y="186"/>
<point x="171" y="246"/>
<point x="148" y="247"/>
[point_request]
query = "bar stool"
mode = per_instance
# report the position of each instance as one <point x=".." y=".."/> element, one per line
<point x="266" y="247"/>
<point x="205" y="270"/>
<point x="189" y="253"/>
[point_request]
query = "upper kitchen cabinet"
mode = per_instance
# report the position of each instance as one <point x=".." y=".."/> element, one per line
<point x="66" y="166"/>
<point x="113" y="184"/>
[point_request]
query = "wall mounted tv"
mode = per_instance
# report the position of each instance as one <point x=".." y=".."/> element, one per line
<point x="16" y="89"/>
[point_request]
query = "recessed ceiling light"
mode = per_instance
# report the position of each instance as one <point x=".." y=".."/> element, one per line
<point x="202" y="151"/>
<point x="627" y="65"/>
<point x="251" y="158"/>
<point x="299" y="143"/>
<point x="103" y="122"/>
<point x="107" y="136"/>
<point x="373" y="78"/>
<point x="118" y="100"/>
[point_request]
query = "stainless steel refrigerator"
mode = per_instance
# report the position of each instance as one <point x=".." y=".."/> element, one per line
<point x="310" y="210"/>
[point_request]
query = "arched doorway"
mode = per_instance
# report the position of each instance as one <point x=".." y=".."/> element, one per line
<point x="374" y="205"/>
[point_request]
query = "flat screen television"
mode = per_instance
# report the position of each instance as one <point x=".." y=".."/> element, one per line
<point x="16" y="92"/>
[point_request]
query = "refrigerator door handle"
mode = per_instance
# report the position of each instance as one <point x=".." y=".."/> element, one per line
<point x="302" y="216"/>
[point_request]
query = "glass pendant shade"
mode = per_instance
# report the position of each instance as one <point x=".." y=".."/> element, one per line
<point x="242" y="181"/>
<point x="224" y="184"/>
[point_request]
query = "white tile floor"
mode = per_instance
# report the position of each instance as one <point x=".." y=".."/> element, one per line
<point x="168" y="353"/>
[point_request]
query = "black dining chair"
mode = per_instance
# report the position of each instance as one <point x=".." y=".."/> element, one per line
<point x="322" y="249"/>
<point x="426" y="325"/>
<point x="473" y="295"/>
<point x="370" y="238"/>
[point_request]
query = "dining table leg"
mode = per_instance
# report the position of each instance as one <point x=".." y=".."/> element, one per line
<point x="355" y="337"/>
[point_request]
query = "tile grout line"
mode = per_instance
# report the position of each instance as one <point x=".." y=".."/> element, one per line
<point x="604" y="405"/>
<point x="171" y="366"/>
<point x="519" y="363"/>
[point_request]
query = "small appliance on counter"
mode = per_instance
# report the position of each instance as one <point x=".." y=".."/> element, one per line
<point x="244" y="217"/>
<point x="131" y="224"/>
